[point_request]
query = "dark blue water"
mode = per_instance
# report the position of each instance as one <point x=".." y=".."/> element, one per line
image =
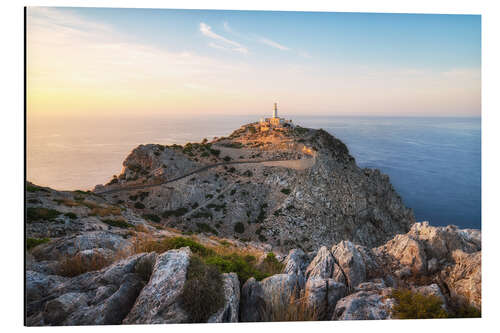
<point x="433" y="163"/>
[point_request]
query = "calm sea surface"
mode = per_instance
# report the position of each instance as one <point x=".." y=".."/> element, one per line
<point x="434" y="163"/>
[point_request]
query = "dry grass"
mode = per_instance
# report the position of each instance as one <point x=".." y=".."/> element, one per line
<point x="293" y="308"/>
<point x="78" y="264"/>
<point x="105" y="211"/>
<point x="67" y="202"/>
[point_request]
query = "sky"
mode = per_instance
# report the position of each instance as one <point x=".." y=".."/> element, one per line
<point x="157" y="62"/>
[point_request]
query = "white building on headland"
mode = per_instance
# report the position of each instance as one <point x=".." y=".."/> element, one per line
<point x="275" y="121"/>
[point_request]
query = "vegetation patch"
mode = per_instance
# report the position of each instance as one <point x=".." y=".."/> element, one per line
<point x="202" y="294"/>
<point x="78" y="264"/>
<point x="139" y="205"/>
<point x="175" y="212"/>
<point x="152" y="217"/>
<point x="32" y="242"/>
<point x="35" y="214"/>
<point x="239" y="228"/>
<point x="33" y="188"/>
<point x="204" y="227"/>
<point x="410" y="305"/>
<point x="71" y="215"/>
<point x="286" y="191"/>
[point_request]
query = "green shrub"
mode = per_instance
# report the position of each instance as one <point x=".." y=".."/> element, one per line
<point x="410" y="305"/>
<point x="35" y="214"/>
<point x="175" y="212"/>
<point x="152" y="217"/>
<point x="271" y="265"/>
<point x="202" y="294"/>
<point x="33" y="188"/>
<point x="139" y="205"/>
<point x="32" y="242"/>
<point x="203" y="227"/>
<point x="244" y="266"/>
<point x="118" y="223"/>
<point x="239" y="228"/>
<point x="71" y="215"/>
<point x="286" y="191"/>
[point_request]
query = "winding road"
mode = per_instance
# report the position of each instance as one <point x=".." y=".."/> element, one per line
<point x="307" y="162"/>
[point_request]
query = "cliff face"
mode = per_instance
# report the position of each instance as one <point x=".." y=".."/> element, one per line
<point x="289" y="187"/>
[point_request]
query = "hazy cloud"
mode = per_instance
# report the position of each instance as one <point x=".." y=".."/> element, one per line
<point x="222" y="42"/>
<point x="272" y="43"/>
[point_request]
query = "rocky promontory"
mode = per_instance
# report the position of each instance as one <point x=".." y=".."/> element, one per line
<point x="257" y="226"/>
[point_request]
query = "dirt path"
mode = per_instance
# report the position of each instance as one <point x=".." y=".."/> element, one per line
<point x="294" y="164"/>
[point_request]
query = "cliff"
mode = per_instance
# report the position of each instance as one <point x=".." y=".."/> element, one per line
<point x="289" y="187"/>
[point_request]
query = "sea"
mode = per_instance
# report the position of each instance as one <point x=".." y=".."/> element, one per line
<point x="433" y="163"/>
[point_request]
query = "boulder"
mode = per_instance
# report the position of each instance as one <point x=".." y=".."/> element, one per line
<point x="252" y="304"/>
<point x="407" y="252"/>
<point x="365" y="305"/>
<point x="230" y="312"/>
<point x="158" y="302"/>
<point x="463" y="279"/>
<point x="351" y="261"/>
<point x="296" y="263"/>
<point x="322" y="265"/>
<point x="321" y="296"/>
<point x="93" y="298"/>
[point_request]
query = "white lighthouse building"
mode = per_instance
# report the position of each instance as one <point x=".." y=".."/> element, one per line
<point x="274" y="122"/>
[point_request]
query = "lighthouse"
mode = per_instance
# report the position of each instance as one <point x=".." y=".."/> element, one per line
<point x="275" y="122"/>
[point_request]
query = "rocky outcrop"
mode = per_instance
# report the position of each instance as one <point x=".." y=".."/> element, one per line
<point x="329" y="200"/>
<point x="463" y="278"/>
<point x="94" y="298"/>
<point x="365" y="305"/>
<point x="229" y="313"/>
<point x="159" y="301"/>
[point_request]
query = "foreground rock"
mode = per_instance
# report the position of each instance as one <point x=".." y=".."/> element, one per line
<point x="95" y="298"/>
<point x="158" y="302"/>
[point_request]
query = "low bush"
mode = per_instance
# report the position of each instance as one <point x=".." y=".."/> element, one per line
<point x="32" y="242"/>
<point x="225" y="258"/>
<point x="139" y="205"/>
<point x="33" y="188"/>
<point x="176" y="212"/>
<point x="152" y="217"/>
<point x="70" y="215"/>
<point x="286" y="191"/>
<point x="202" y="294"/>
<point x="239" y="228"/>
<point x="35" y="214"/>
<point x="204" y="227"/>
<point x="410" y="305"/>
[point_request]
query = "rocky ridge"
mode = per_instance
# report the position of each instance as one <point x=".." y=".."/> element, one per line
<point x="287" y="187"/>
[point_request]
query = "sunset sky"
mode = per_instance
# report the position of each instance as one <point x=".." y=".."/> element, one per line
<point x="122" y="62"/>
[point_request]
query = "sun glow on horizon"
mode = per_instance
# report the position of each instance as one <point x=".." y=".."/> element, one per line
<point x="80" y="63"/>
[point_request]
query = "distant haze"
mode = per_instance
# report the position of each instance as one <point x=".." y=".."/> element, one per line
<point x="133" y="62"/>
